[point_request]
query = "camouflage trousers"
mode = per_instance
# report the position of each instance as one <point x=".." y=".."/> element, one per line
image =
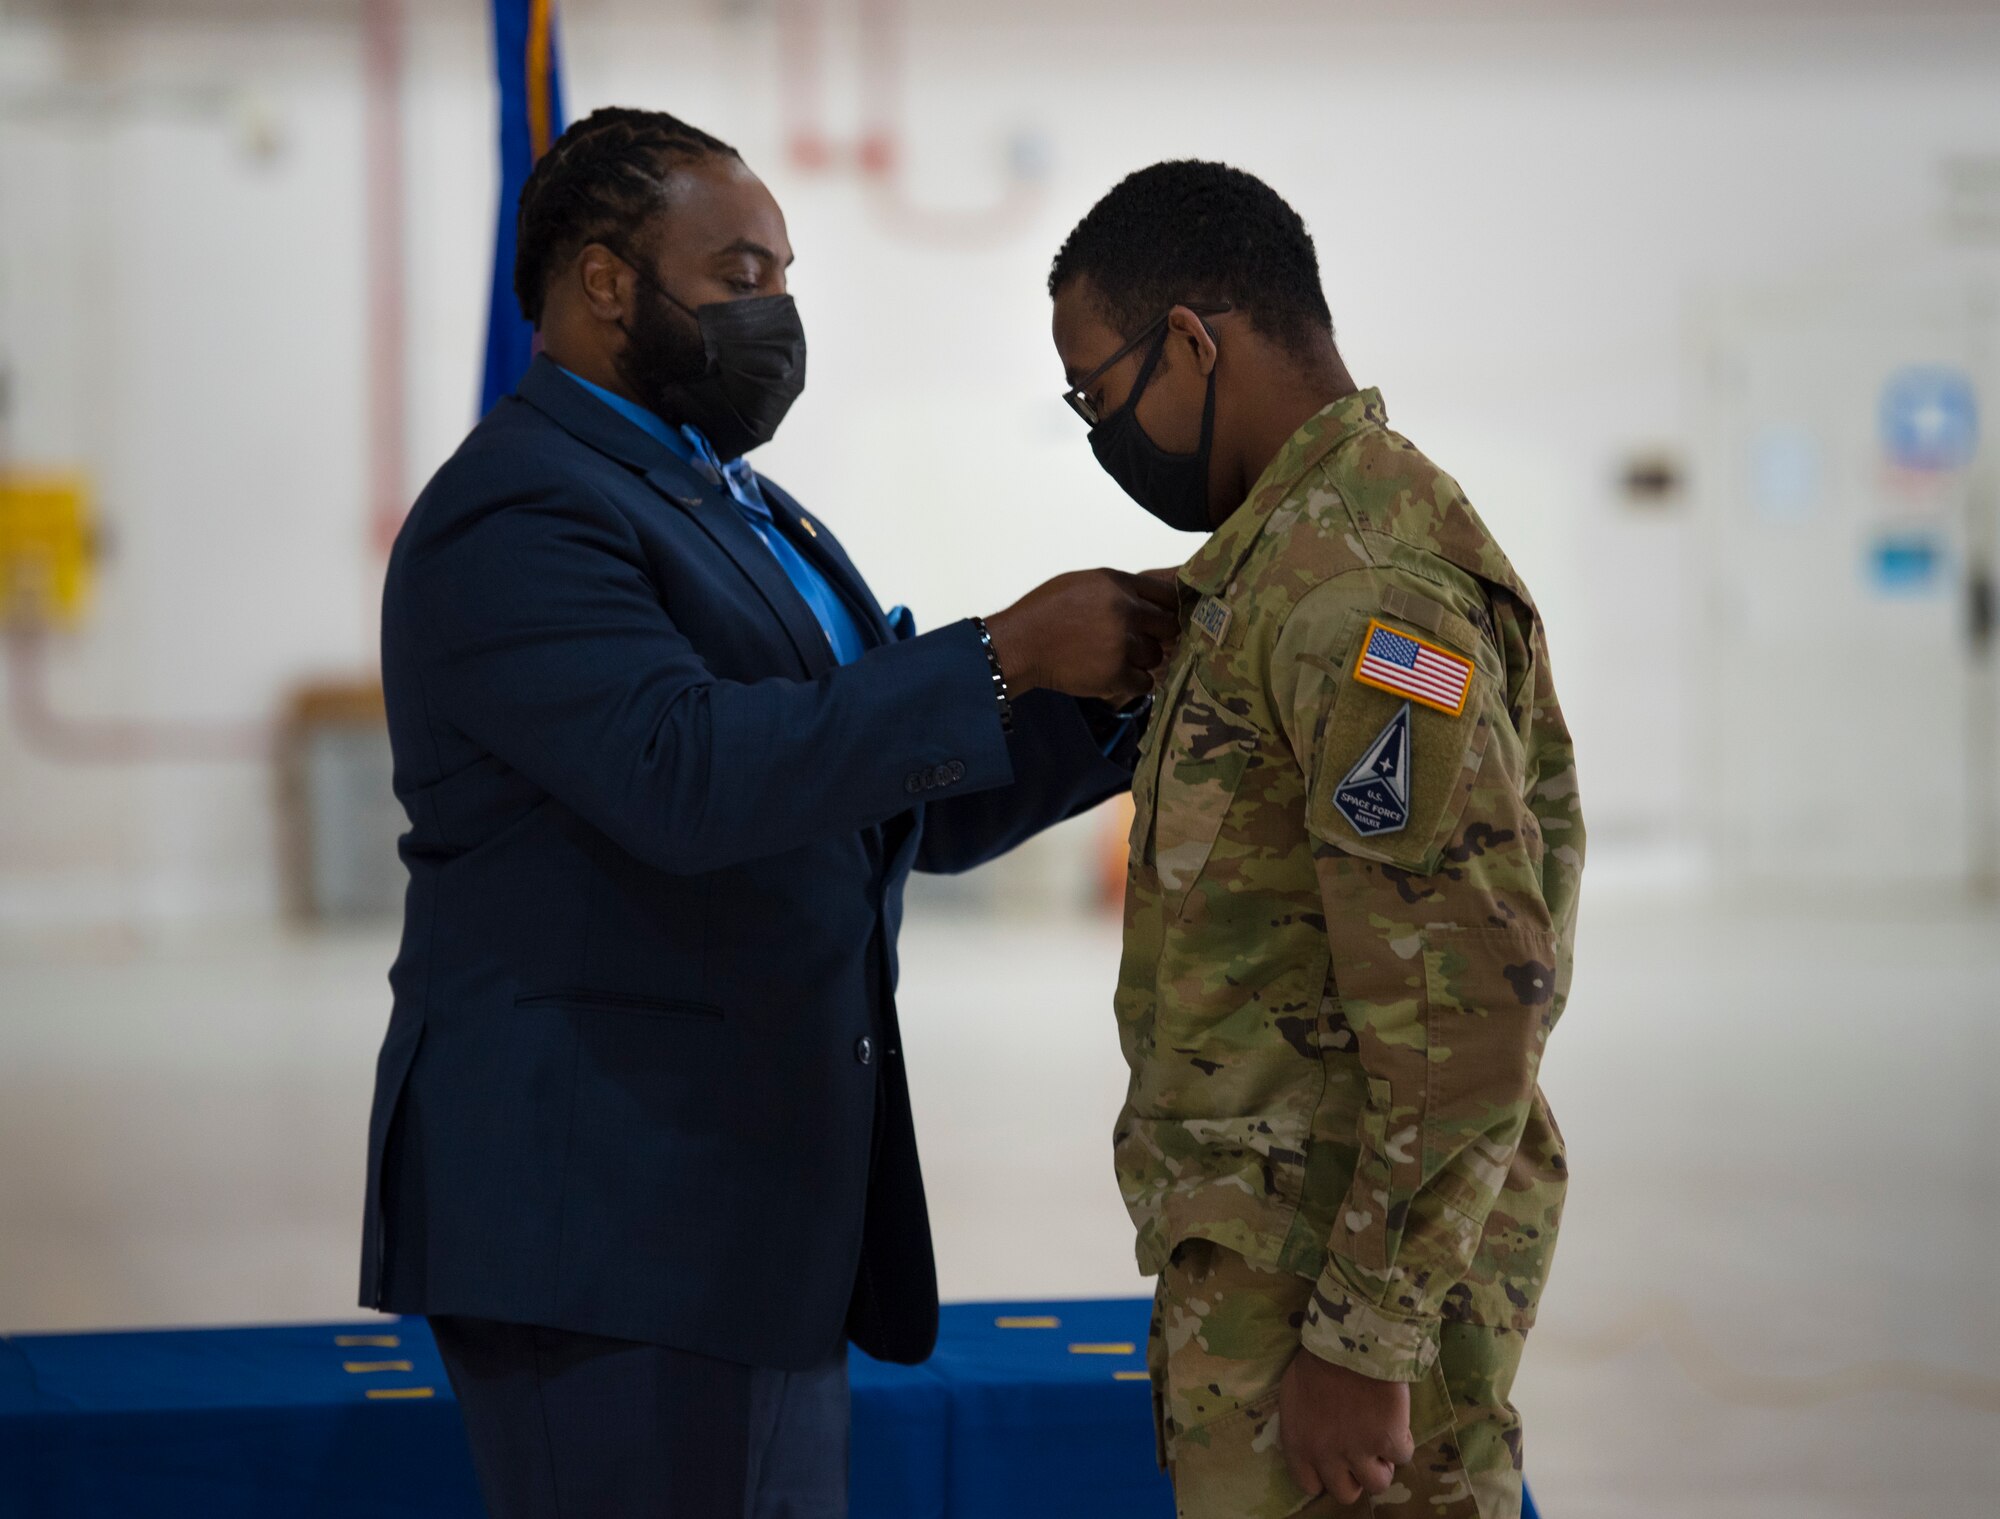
<point x="1224" y="1330"/>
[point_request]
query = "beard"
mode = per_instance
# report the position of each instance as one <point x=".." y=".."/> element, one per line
<point x="663" y="354"/>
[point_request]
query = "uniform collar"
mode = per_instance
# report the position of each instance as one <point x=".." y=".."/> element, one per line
<point x="1217" y="559"/>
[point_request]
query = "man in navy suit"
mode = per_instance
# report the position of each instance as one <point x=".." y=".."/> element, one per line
<point x="641" y="1145"/>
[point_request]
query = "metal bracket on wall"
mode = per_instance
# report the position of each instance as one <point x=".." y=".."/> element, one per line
<point x="877" y="154"/>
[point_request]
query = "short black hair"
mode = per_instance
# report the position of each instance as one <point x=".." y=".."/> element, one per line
<point x="604" y="176"/>
<point x="1190" y="231"/>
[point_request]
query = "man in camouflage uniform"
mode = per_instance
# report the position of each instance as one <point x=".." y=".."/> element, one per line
<point x="1352" y="895"/>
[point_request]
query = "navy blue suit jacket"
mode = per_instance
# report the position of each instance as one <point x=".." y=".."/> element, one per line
<point x="643" y="1077"/>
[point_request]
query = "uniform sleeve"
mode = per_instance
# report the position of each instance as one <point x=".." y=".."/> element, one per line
<point x="1060" y="769"/>
<point x="1443" y="954"/>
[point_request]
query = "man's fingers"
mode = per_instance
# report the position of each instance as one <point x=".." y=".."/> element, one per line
<point x="1155" y="621"/>
<point x="1373" y="1473"/>
<point x="1404" y="1450"/>
<point x="1303" y="1471"/>
<point x="1340" y="1481"/>
<point x="1143" y="653"/>
<point x="1132" y="682"/>
<point x="1161" y="593"/>
<point x="1130" y="690"/>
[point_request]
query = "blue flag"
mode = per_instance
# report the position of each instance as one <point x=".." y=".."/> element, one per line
<point x="531" y="118"/>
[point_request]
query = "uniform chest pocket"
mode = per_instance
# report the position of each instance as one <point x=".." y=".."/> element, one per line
<point x="1203" y="755"/>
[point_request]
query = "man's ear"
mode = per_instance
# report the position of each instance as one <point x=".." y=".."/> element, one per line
<point x="608" y="283"/>
<point x="1183" y="326"/>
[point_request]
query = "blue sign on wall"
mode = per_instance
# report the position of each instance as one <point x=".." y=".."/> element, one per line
<point x="1930" y="418"/>
<point x="1907" y="564"/>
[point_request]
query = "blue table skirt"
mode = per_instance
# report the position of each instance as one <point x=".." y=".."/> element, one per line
<point x="1036" y="1409"/>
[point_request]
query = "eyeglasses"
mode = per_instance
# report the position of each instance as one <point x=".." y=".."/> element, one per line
<point x="1076" y="397"/>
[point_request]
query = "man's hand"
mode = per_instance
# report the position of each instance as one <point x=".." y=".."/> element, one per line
<point x="1342" y="1432"/>
<point x="1090" y="633"/>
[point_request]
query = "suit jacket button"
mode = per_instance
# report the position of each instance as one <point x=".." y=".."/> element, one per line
<point x="956" y="770"/>
<point x="864" y="1051"/>
<point x="913" y="783"/>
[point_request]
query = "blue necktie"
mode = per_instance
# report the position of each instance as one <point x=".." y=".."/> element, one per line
<point x="835" y="620"/>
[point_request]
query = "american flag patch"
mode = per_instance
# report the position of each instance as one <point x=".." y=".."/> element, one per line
<point x="1408" y="666"/>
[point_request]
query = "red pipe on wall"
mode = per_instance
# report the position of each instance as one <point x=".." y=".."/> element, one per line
<point x="800" y="46"/>
<point x="388" y="442"/>
<point x="115" y="741"/>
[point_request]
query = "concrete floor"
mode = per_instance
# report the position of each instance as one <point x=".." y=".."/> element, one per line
<point x="1775" y="1290"/>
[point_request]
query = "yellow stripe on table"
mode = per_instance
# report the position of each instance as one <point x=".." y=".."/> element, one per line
<point x="377" y="1341"/>
<point x="1034" y="1321"/>
<point x="362" y="1368"/>
<point x="1114" y="1347"/>
<point x="402" y="1392"/>
<point x="1131" y="1376"/>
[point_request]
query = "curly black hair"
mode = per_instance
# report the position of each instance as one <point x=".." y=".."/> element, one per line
<point x="1191" y="231"/>
<point x="604" y="176"/>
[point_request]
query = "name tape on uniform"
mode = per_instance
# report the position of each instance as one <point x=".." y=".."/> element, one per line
<point x="1405" y="665"/>
<point x="1212" y="617"/>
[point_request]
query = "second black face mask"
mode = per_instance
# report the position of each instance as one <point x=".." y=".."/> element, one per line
<point x="752" y="368"/>
<point x="1173" y="487"/>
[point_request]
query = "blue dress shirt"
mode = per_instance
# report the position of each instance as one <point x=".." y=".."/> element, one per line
<point x="836" y="619"/>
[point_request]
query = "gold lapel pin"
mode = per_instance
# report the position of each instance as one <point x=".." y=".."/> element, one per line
<point x="808" y="527"/>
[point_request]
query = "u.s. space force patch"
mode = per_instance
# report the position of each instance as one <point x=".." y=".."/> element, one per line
<point x="1375" y="796"/>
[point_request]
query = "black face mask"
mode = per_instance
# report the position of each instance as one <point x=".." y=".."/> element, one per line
<point x="736" y="384"/>
<point x="1173" y="487"/>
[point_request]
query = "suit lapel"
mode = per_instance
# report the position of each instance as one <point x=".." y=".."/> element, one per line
<point x="718" y="516"/>
<point x="570" y="406"/>
<point x="812" y="539"/>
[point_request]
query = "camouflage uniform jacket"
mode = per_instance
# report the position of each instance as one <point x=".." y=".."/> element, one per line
<point x="1349" y="912"/>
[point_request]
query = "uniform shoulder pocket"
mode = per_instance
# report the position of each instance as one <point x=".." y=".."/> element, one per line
<point x="1401" y="735"/>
